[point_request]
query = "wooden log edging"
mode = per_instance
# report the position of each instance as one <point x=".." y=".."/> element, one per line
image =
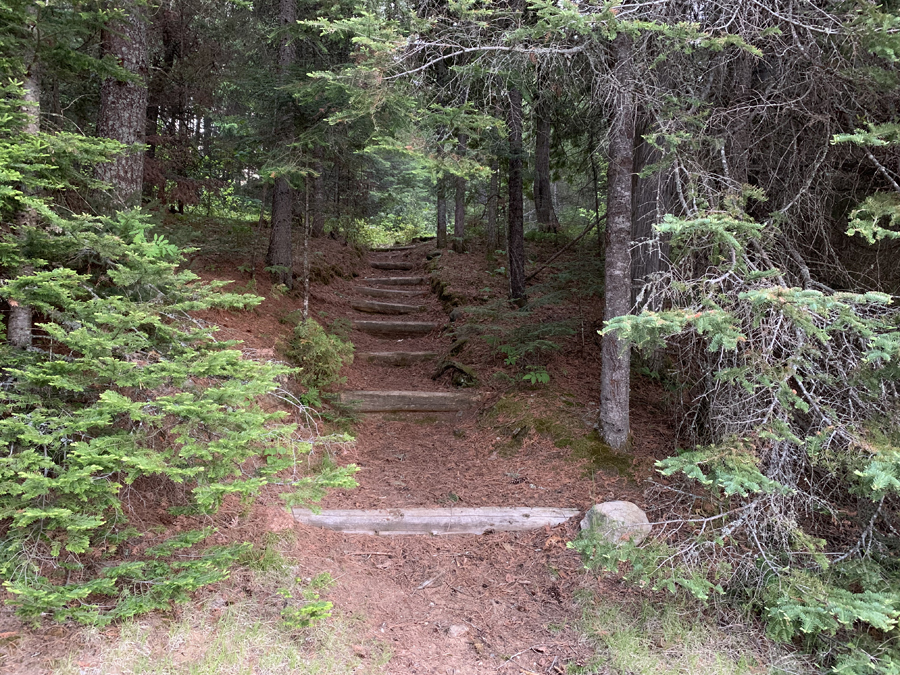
<point x="396" y="358"/>
<point x="456" y="520"/>
<point x="392" y="265"/>
<point x="390" y="249"/>
<point x="373" y="307"/>
<point x="392" y="329"/>
<point x="394" y="293"/>
<point x="408" y="401"/>
<point x="395" y="281"/>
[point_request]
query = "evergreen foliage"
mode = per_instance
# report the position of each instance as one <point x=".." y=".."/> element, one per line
<point x="121" y="385"/>
<point x="319" y="355"/>
<point x="790" y="393"/>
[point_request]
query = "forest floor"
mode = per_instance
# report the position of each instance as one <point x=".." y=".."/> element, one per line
<point x="500" y="602"/>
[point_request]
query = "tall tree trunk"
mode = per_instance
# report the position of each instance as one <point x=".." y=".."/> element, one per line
<point x="615" y="380"/>
<point x="18" y="331"/>
<point x="123" y="104"/>
<point x="649" y="201"/>
<point x="543" y="197"/>
<point x="441" y="189"/>
<point x="516" y="230"/>
<point x="280" y="253"/>
<point x="319" y="201"/>
<point x="493" y="241"/>
<point x="459" y="212"/>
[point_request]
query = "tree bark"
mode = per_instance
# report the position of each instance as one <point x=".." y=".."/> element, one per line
<point x="18" y="330"/>
<point x="280" y="253"/>
<point x="459" y="213"/>
<point x="493" y="241"/>
<point x="649" y="202"/>
<point x="615" y="380"/>
<point x="442" y="212"/>
<point x="123" y="105"/>
<point x="543" y="197"/>
<point x="516" y="229"/>
<point x="319" y="201"/>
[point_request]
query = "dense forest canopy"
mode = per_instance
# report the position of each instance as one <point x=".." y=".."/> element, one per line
<point x="733" y="166"/>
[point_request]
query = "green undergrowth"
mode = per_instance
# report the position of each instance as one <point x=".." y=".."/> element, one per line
<point x="645" y="637"/>
<point x="556" y="417"/>
<point x="274" y="618"/>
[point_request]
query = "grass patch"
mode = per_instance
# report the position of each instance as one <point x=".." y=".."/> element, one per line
<point x="239" y="632"/>
<point x="644" y="637"/>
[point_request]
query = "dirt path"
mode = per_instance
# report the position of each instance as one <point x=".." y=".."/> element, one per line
<point x="499" y="602"/>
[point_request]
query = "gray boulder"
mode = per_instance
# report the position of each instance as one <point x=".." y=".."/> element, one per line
<point x="616" y="522"/>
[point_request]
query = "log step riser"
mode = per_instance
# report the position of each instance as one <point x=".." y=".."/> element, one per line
<point x="390" y="293"/>
<point x="391" y="249"/>
<point x="395" y="329"/>
<point x="392" y="265"/>
<point x="436" y="521"/>
<point x="396" y="358"/>
<point x="396" y="281"/>
<point x="373" y="307"/>
<point x="408" y="401"/>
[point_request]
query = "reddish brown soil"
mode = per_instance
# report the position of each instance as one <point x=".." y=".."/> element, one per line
<point x="501" y="602"/>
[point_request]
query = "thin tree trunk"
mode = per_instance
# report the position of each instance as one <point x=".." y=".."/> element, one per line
<point x="319" y="201"/>
<point x="543" y="197"/>
<point x="615" y="380"/>
<point x="123" y="105"/>
<point x="601" y="232"/>
<point x="280" y="254"/>
<point x="516" y="229"/>
<point x="459" y="212"/>
<point x="18" y="330"/>
<point x="442" y="212"/>
<point x="493" y="197"/>
<point x="306" y="232"/>
<point x="649" y="252"/>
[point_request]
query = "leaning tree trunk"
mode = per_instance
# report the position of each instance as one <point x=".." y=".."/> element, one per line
<point x="543" y="198"/>
<point x="123" y="104"/>
<point x="516" y="231"/>
<point x="280" y="253"/>
<point x="615" y="380"/>
<point x="459" y="212"/>
<point x="18" y="330"/>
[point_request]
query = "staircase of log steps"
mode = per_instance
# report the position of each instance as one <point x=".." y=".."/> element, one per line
<point x="398" y="287"/>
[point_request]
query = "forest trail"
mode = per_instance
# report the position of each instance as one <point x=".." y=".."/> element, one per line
<point x="462" y="604"/>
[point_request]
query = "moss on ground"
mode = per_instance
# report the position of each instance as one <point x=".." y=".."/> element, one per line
<point x="558" y="419"/>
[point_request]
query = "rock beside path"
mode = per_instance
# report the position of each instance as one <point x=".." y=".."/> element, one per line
<point x="616" y="522"/>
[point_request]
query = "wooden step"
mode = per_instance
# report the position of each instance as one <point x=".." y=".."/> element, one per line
<point x="395" y="281"/>
<point x="392" y="265"/>
<point x="391" y="292"/>
<point x="385" y="307"/>
<point x="396" y="329"/>
<point x="395" y="358"/>
<point x="408" y="401"/>
<point x="389" y="249"/>
<point x="456" y="520"/>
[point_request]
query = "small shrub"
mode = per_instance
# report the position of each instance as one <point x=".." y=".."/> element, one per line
<point x="319" y="354"/>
